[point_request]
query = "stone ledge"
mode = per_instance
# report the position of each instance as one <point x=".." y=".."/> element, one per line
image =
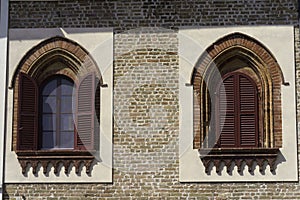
<point x="55" y="157"/>
<point x="237" y="156"/>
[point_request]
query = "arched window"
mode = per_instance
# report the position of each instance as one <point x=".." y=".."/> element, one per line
<point x="57" y="106"/>
<point x="57" y="114"/>
<point x="237" y="104"/>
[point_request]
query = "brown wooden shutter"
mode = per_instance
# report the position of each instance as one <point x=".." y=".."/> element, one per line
<point x="85" y="113"/>
<point x="237" y="112"/>
<point x="28" y="113"/>
<point x="226" y="113"/>
<point x="248" y="113"/>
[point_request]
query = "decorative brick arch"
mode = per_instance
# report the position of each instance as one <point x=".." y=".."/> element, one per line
<point x="260" y="64"/>
<point x="58" y="49"/>
<point x="74" y="62"/>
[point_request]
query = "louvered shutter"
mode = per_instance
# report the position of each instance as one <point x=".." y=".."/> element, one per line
<point x="226" y="113"/>
<point x="237" y="112"/>
<point x="28" y="113"/>
<point x="85" y="113"/>
<point x="247" y="112"/>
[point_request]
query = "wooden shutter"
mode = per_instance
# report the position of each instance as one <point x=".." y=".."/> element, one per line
<point x="85" y="113"/>
<point x="237" y="112"/>
<point x="248" y="112"/>
<point x="28" y="113"/>
<point x="226" y="113"/>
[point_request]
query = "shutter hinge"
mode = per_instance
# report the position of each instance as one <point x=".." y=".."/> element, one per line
<point x="286" y="83"/>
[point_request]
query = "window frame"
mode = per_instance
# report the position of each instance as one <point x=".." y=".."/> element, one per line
<point x="58" y="111"/>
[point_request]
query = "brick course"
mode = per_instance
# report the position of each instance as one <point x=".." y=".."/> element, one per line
<point x="125" y="15"/>
<point x="146" y="92"/>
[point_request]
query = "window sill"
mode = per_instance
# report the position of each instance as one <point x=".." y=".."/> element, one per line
<point x="237" y="156"/>
<point x="55" y="158"/>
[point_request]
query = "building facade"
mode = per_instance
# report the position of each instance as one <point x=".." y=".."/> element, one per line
<point x="150" y="99"/>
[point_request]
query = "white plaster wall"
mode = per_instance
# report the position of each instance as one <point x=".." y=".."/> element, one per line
<point x="192" y="43"/>
<point x="3" y="61"/>
<point x="99" y="43"/>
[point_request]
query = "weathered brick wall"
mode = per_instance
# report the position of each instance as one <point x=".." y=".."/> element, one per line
<point x="125" y="14"/>
<point x="146" y="119"/>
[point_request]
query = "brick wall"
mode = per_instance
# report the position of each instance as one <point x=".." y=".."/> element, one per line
<point x="127" y="15"/>
<point x="146" y="92"/>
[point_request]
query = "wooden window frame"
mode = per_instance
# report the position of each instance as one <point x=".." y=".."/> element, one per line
<point x="58" y="114"/>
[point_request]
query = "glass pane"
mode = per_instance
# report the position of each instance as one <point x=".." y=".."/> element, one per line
<point x="50" y="88"/>
<point x="49" y="104"/>
<point x="66" y="104"/>
<point x="66" y="122"/>
<point x="48" y="140"/>
<point x="49" y="122"/>
<point x="66" y="87"/>
<point x="66" y="139"/>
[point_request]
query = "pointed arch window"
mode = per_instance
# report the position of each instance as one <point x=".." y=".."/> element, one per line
<point x="57" y="108"/>
<point x="237" y="104"/>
